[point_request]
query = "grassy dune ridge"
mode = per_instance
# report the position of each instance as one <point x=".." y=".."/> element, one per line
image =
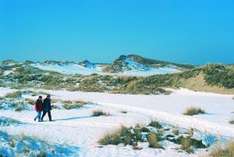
<point x="212" y="78"/>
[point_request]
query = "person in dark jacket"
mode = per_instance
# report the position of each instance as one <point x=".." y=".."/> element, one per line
<point x="38" y="108"/>
<point x="47" y="108"/>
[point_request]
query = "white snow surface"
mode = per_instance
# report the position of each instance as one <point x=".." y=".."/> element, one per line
<point x="78" y="128"/>
<point x="136" y="69"/>
<point x="170" y="108"/>
<point x="4" y="91"/>
<point x="70" y="68"/>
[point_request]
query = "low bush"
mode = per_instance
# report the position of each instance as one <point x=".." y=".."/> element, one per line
<point x="124" y="112"/>
<point x="41" y="154"/>
<point x="98" y="113"/>
<point x="231" y="121"/>
<point x="188" y="143"/>
<point x="155" y="124"/>
<point x="16" y="94"/>
<point x="110" y="139"/>
<point x="131" y="136"/>
<point x="153" y="140"/>
<point x="175" y="131"/>
<point x="193" y="111"/>
<point x="68" y="105"/>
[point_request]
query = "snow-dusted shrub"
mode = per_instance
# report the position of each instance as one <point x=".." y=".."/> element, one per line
<point x="22" y="145"/>
<point x="227" y="151"/>
<point x="131" y="136"/>
<point x="193" y="111"/>
<point x="155" y="136"/>
<point x="30" y="101"/>
<point x="16" y="94"/>
<point x="15" y="104"/>
<point x="231" y="121"/>
<point x="114" y="138"/>
<point x="153" y="140"/>
<point x="155" y="124"/>
<point x="124" y="112"/>
<point x="98" y="113"/>
<point x="68" y="105"/>
<point x="175" y="131"/>
<point x="189" y="143"/>
<point x="41" y="154"/>
<point x="186" y="144"/>
<point x="4" y="121"/>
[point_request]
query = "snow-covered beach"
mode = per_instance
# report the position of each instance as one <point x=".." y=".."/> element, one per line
<point x="78" y="128"/>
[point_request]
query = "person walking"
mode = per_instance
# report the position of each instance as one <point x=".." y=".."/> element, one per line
<point x="47" y="108"/>
<point x="38" y="108"/>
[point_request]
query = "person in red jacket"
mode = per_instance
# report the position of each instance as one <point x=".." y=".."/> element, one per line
<point x="38" y="108"/>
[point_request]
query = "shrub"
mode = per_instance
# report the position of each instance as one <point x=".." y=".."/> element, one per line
<point x="16" y="94"/>
<point x="153" y="140"/>
<point x="227" y="151"/>
<point x="193" y="111"/>
<point x="231" y="121"/>
<point x="155" y="124"/>
<point x="98" y="113"/>
<point x="145" y="129"/>
<point x="30" y="101"/>
<point x="220" y="75"/>
<point x="124" y="112"/>
<point x="68" y="105"/>
<point x="41" y="154"/>
<point x="114" y="138"/>
<point x="186" y="144"/>
<point x="19" y="108"/>
<point x="127" y="136"/>
<point x="12" y="143"/>
<point x="175" y="131"/>
<point x="72" y="106"/>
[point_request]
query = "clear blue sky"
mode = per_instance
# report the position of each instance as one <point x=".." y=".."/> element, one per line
<point x="186" y="31"/>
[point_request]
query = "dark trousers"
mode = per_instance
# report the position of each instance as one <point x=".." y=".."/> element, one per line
<point x="49" y="115"/>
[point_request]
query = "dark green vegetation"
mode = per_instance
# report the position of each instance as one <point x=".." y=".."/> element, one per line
<point x="219" y="75"/>
<point x="213" y="78"/>
<point x="194" y="111"/>
<point x="154" y="134"/>
<point x="98" y="113"/>
<point x="231" y="121"/>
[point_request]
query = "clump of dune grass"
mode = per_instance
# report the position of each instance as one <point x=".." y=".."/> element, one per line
<point x="98" y="113"/>
<point x="16" y="94"/>
<point x="186" y="144"/>
<point x="193" y="111"/>
<point x="30" y="101"/>
<point x="114" y="138"/>
<point x="227" y="151"/>
<point x="131" y="136"/>
<point x="153" y="140"/>
<point x="68" y="105"/>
